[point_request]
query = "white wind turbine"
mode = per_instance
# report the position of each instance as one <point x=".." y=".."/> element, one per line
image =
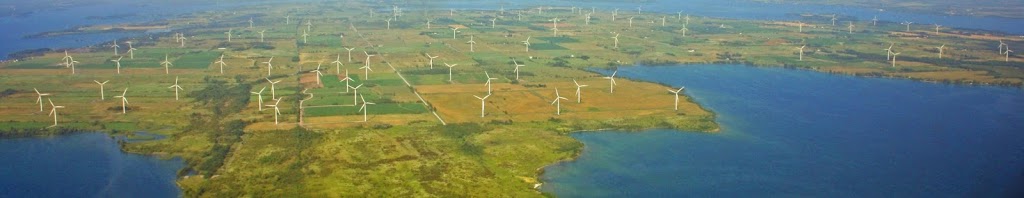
<point x="309" y="25"/>
<point x="317" y="73"/>
<point x="53" y="111"/>
<point x="801" y="48"/>
<point x="67" y="58"/>
<point x="489" y="82"/>
<point x="287" y="19"/>
<point x="347" y="79"/>
<point x="471" y="43"/>
<point x="73" y="62"/>
<point x="850" y="27"/>
<point x="277" y="111"/>
<point x="124" y="101"/>
<point x="102" y="97"/>
<point x="888" y="54"/>
<point x="350" y="53"/>
<point x="493" y="21"/>
<point x="131" y="50"/>
<point x="389" y="23"/>
<point x="1008" y="51"/>
<point x="337" y="64"/>
<point x="366" y="68"/>
<point x="250" y="22"/>
<point x="1001" y="45"/>
<point x="630" y="21"/>
<point x="908" y="25"/>
<point x="175" y="87"/>
<point x="676" y="93"/>
<point x="579" y="91"/>
<point x="270" y="66"/>
<point x="228" y="33"/>
<point x="304" y="35"/>
<point x="431" y="60"/>
<point x="454" y="32"/>
<point x="221" y="63"/>
<point x="118" y="64"/>
<point x="527" y="43"/>
<point x="428" y="24"/>
<point x="611" y="81"/>
<point x="273" y="91"/>
<point x="941" y="49"/>
<point x="115" y="46"/>
<point x="937" y="26"/>
<point x="588" y="19"/>
<point x="450" y="70"/>
<point x="801" y="25"/>
<point x="355" y="93"/>
<point x="259" y="96"/>
<point x="558" y="102"/>
<point x="616" y="38"/>
<point x="554" y="25"/>
<point x="663" y="21"/>
<point x="483" y="104"/>
<point x="874" y="21"/>
<point x="363" y="107"/>
<point x="39" y="99"/>
<point x="167" y="65"/>
<point x="833" y="19"/>
<point x="517" y="65"/>
<point x="894" y="54"/>
<point x="684" y="29"/>
<point x="261" y="35"/>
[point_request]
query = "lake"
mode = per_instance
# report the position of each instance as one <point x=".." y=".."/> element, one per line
<point x="82" y="165"/>
<point x="794" y="133"/>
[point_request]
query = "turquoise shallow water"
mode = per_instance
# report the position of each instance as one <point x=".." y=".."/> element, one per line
<point x="791" y="133"/>
<point x="82" y="165"/>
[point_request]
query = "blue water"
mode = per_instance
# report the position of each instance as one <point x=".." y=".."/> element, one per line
<point x="82" y="165"/>
<point x="790" y="133"/>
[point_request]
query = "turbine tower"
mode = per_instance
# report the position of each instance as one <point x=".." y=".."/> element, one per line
<point x="53" y="112"/>
<point x="363" y="107"/>
<point x="39" y="98"/>
<point x="579" y="91"/>
<point x="317" y="73"/>
<point x="270" y="66"/>
<point x="517" y="65"/>
<point x="221" y="63"/>
<point x="558" y="102"/>
<point x="167" y="65"/>
<point x="277" y="111"/>
<point x="611" y="79"/>
<point x="450" y="71"/>
<point x="124" y="101"/>
<point x="431" y="60"/>
<point x="676" y="93"/>
<point x="273" y="92"/>
<point x="118" y="64"/>
<point x="483" y="104"/>
<point x="102" y="97"/>
<point x="175" y="87"/>
<point x="259" y="96"/>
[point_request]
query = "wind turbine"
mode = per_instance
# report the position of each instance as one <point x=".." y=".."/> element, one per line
<point x="53" y="111"/>
<point x="124" y="101"/>
<point x="363" y="107"/>
<point x="389" y="23"/>
<point x="611" y="79"/>
<point x="131" y="50"/>
<point x="527" y="42"/>
<point x="72" y="63"/>
<point x="483" y="104"/>
<point x="102" y="97"/>
<point x="558" y="102"/>
<point x="833" y="19"/>
<point x="662" y="21"/>
<point x="221" y="63"/>
<point x="801" y="25"/>
<point x="259" y="95"/>
<point x="309" y="25"/>
<point x="229" y="34"/>
<point x="517" y="65"/>
<point x="471" y="43"/>
<point x="118" y="63"/>
<point x="1008" y="51"/>
<point x="350" y="53"/>
<point x="888" y="54"/>
<point x="431" y="60"/>
<point x="261" y="35"/>
<point x="615" y="13"/>
<point x="428" y="24"/>
<point x="318" y="73"/>
<point x="874" y="21"/>
<point x="115" y="46"/>
<point x="167" y="65"/>
<point x="366" y="68"/>
<point x="355" y="92"/>
<point x="894" y="54"/>
<point x="684" y="29"/>
<point x="346" y="80"/>
<point x="1001" y="45"/>
<point x="940" y="50"/>
<point x="287" y="19"/>
<point x="850" y="27"/>
<point x="175" y="87"/>
<point x="277" y="111"/>
<point x="937" y="26"/>
<point x="269" y="65"/>
<point x="676" y="93"/>
<point x="588" y="19"/>
<point x="273" y="91"/>
<point x="630" y="21"/>
<point x="454" y="31"/>
<point x="489" y="82"/>
<point x="250" y="22"/>
<point x="802" y="52"/>
<point x="493" y="21"/>
<point x="337" y="64"/>
<point x="67" y="58"/>
<point x="908" y="25"/>
<point x="616" y="37"/>
<point x="304" y="35"/>
<point x="450" y="71"/>
<point x="579" y="95"/>
<point x="554" y="25"/>
<point x="39" y="99"/>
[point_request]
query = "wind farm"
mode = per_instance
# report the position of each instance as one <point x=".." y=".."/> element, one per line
<point x="252" y="99"/>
